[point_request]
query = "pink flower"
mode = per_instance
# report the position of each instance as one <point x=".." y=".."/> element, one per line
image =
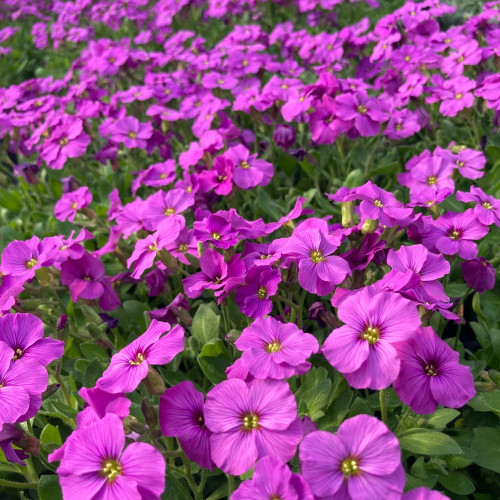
<point x="71" y="202"/>
<point x="132" y="133"/>
<point x="249" y="171"/>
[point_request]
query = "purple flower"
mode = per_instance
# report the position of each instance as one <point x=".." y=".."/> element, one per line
<point x="479" y="274"/>
<point x="23" y="258"/>
<point x="431" y="374"/>
<point x="10" y="434"/>
<point x="70" y="203"/>
<point x="129" y="366"/>
<point x="434" y="172"/>
<point x="249" y="171"/>
<point x="217" y="230"/>
<point x="362" y="349"/>
<point x="456" y="95"/>
<point x="325" y="125"/>
<point x="219" y="178"/>
<point x="470" y="163"/>
<point x="249" y="421"/>
<point x="23" y="333"/>
<point x="83" y="277"/>
<point x="161" y="206"/>
<point x="132" y="133"/>
<point x="253" y="298"/>
<point x="272" y="349"/>
<point x="21" y="387"/>
<point x="181" y="416"/>
<point x="319" y="270"/>
<point x="98" y="463"/>
<point x="487" y="209"/>
<point x="424" y="494"/>
<point x="284" y="136"/>
<point x="454" y="233"/>
<point x="362" y="458"/>
<point x="272" y="479"/>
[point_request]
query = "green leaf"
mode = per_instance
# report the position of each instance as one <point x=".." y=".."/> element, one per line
<point x="360" y="407"/>
<point x="10" y="199"/>
<point x="315" y="392"/>
<point x="50" y="435"/>
<point x="441" y="417"/>
<point x="487" y="446"/>
<point x="213" y="360"/>
<point x="354" y="179"/>
<point x="336" y="412"/>
<point x="491" y="400"/>
<point x="388" y="169"/>
<point x="94" y="351"/>
<point x="495" y="341"/>
<point x="457" y="483"/>
<point x="93" y="372"/>
<point x="206" y="324"/>
<point x="427" y="442"/>
<point x="65" y="410"/>
<point x="49" y="488"/>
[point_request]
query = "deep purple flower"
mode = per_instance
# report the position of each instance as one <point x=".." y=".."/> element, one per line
<point x="70" y="203"/>
<point x="9" y="435"/>
<point x="253" y="298"/>
<point x="129" y="366"/>
<point x="249" y="421"/>
<point x="98" y="463"/>
<point x="216" y="229"/>
<point x="284" y="136"/>
<point x="272" y="349"/>
<point x="362" y="458"/>
<point x="83" y="277"/>
<point x="249" y="171"/>
<point x="181" y="416"/>
<point x="487" y="209"/>
<point x="219" y="178"/>
<point x="23" y="333"/>
<point x="272" y="479"/>
<point x="362" y="349"/>
<point x="431" y="374"/>
<point x="479" y="274"/>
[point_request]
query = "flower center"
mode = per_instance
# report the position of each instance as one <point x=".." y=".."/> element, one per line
<point x="431" y="180"/>
<point x="459" y="163"/>
<point x="371" y="334"/>
<point x="461" y="59"/>
<point x="316" y="256"/>
<point x="216" y="236"/>
<point x="398" y="126"/>
<point x="132" y="135"/>
<point x="486" y="205"/>
<point x="407" y="58"/>
<point x="152" y="247"/>
<point x="274" y="346"/>
<point x="163" y="176"/>
<point x="17" y="354"/>
<point x="169" y="211"/>
<point x="74" y="205"/>
<point x="378" y="204"/>
<point x="31" y="263"/>
<point x="87" y="278"/>
<point x="362" y="109"/>
<point x="64" y="141"/>
<point x="430" y="370"/>
<point x="139" y="358"/>
<point x="454" y="234"/>
<point x="350" y="467"/>
<point x="111" y="469"/>
<point x="182" y="247"/>
<point x="250" y="421"/>
<point x="261" y="293"/>
<point x="244" y="165"/>
<point x="459" y="95"/>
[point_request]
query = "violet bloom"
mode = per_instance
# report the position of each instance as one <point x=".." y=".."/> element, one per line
<point x="479" y="274"/>
<point x="434" y="172"/>
<point x="456" y="95"/>
<point x="131" y="132"/>
<point x="319" y="270"/>
<point x="284" y="136"/>
<point x="130" y="366"/>
<point x="363" y="457"/>
<point x="98" y="463"/>
<point x="83" y="277"/>
<point x="161" y="206"/>
<point x="325" y="125"/>
<point x="253" y="298"/>
<point x="272" y="479"/>
<point x="21" y="387"/>
<point x="181" y="416"/>
<point x="367" y="113"/>
<point x="249" y="171"/>
<point x="272" y="349"/>
<point x="470" y="163"/>
<point x="219" y="178"/>
<point x="23" y="258"/>
<point x="424" y="494"/>
<point x="362" y="349"/>
<point x="70" y="203"/>
<point x="23" y="333"/>
<point x="145" y="250"/>
<point x="251" y="420"/>
<point x="487" y="209"/>
<point x="454" y="233"/>
<point x="9" y="435"/>
<point x="431" y="374"/>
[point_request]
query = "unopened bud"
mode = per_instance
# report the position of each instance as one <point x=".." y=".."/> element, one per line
<point x="29" y="444"/>
<point x="184" y="317"/>
<point x="347" y="213"/>
<point x="369" y="226"/>
<point x="168" y="259"/>
<point x="154" y="382"/>
<point x="150" y="412"/>
<point x="51" y="389"/>
<point x="62" y="322"/>
<point x="131" y="424"/>
<point x="233" y="335"/>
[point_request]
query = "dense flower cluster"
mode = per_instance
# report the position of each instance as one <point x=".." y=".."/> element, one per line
<point x="188" y="143"/>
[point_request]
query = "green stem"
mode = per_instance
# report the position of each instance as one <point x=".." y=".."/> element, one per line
<point x="383" y="405"/>
<point x="402" y="419"/>
<point x="18" y="485"/>
<point x="230" y="485"/>
<point x="299" y="309"/>
<point x="282" y="312"/>
<point x="64" y="390"/>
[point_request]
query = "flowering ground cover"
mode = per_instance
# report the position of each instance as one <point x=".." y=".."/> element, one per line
<point x="248" y="250"/>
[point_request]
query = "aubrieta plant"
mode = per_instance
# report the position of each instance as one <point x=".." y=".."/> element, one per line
<point x="248" y="250"/>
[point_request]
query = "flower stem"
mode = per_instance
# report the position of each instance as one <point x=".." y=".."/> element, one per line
<point x="18" y="485"/>
<point x="383" y="405"/>
<point x="300" y="308"/>
<point x="230" y="485"/>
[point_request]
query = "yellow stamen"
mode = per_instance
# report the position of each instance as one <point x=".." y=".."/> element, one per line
<point x="371" y="334"/>
<point x="317" y="256"/>
<point x="274" y="346"/>
<point x="139" y="358"/>
<point x="250" y="421"/>
<point x="31" y="263"/>
<point x="350" y="467"/>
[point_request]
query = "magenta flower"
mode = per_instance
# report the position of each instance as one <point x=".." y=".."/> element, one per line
<point x="98" y="463"/>
<point x="161" y="206"/>
<point x="431" y="374"/>
<point x="424" y="494"/>
<point x="366" y="113"/>
<point x="362" y="458"/>
<point x="272" y="349"/>
<point x="219" y="178"/>
<point x="21" y="387"/>
<point x="23" y="333"/>
<point x="456" y="95"/>
<point x="249" y="171"/>
<point x="156" y="175"/>
<point x="70" y="203"/>
<point x="253" y="298"/>
<point x="454" y="233"/>
<point x="325" y="125"/>
<point x="131" y="132"/>
<point x="470" y="163"/>
<point x="272" y="479"/>
<point x="83" y="277"/>
<point x="487" y="209"/>
<point x="129" y="366"/>
<point x="432" y="172"/>
<point x="9" y="435"/>
<point x="479" y="274"/>
<point x="251" y="421"/>
<point x="319" y="270"/>
<point x="23" y="258"/>
<point x="362" y="349"/>
<point x="181" y="416"/>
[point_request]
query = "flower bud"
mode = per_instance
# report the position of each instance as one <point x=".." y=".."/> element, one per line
<point x="168" y="259"/>
<point x="369" y="226"/>
<point x="284" y="136"/>
<point x="347" y="213"/>
<point x="154" y="382"/>
<point x="150" y="412"/>
<point x="51" y="389"/>
<point x="479" y="274"/>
